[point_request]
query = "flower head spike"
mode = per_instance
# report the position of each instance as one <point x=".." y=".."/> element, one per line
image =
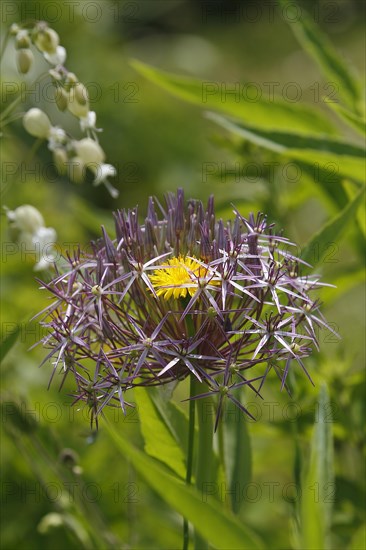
<point x="182" y="295"/>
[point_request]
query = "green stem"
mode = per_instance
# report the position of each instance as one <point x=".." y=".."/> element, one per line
<point x="4" y="44"/>
<point x="189" y="456"/>
<point x="204" y="472"/>
<point x="204" y="468"/>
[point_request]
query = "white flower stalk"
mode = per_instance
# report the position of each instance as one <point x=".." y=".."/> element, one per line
<point x="72" y="157"/>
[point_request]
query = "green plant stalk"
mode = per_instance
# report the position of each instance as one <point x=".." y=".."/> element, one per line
<point x="204" y="470"/>
<point x="205" y="443"/>
<point x="189" y="456"/>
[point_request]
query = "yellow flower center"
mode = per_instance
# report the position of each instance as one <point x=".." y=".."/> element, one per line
<point x="178" y="277"/>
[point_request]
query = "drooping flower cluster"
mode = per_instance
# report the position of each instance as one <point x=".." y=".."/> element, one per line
<point x="27" y="228"/>
<point x="183" y="294"/>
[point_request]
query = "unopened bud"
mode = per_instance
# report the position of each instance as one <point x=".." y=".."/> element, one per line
<point x="78" y="101"/>
<point x="60" y="159"/>
<point x="81" y="94"/>
<point x="61" y="98"/>
<point x="89" y="151"/>
<point x="47" y="40"/>
<point x="55" y="75"/>
<point x="14" y="29"/>
<point x="24" y="60"/>
<point x="37" y="123"/>
<point x="76" y="169"/>
<point x="70" y="81"/>
<point x="22" y="40"/>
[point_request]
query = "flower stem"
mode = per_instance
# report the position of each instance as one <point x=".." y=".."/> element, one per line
<point x="189" y="456"/>
<point x="204" y="472"/>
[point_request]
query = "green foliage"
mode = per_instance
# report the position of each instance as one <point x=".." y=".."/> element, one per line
<point x="237" y="454"/>
<point x="216" y="525"/>
<point x="160" y="441"/>
<point x="261" y="112"/>
<point x="331" y="64"/>
<point x="318" y="484"/>
<point x="8" y="342"/>
<point x="332" y="231"/>
<point x="138" y="462"/>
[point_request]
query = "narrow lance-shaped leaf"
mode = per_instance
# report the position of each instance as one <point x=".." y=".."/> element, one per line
<point x="238" y="454"/>
<point x="8" y="342"/>
<point x="318" y="246"/>
<point x="217" y="526"/>
<point x="174" y="417"/>
<point x="262" y="112"/>
<point x="318" y="491"/>
<point x="159" y="439"/>
<point x="357" y="122"/>
<point x="321" y="49"/>
<point x="346" y="158"/>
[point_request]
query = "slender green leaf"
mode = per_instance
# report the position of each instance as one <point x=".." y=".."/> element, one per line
<point x="160" y="441"/>
<point x="174" y="417"/>
<point x="8" y="343"/>
<point x="358" y="541"/>
<point x="319" y="488"/>
<point x="345" y="158"/>
<point x="357" y="122"/>
<point x="320" y="243"/>
<point x="322" y="51"/>
<point x="220" y="528"/>
<point x="351" y="190"/>
<point x="238" y="454"/>
<point x="264" y="113"/>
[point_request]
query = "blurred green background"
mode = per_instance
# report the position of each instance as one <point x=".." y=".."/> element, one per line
<point x="159" y="143"/>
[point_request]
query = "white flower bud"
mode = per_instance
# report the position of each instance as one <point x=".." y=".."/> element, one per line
<point x="25" y="218"/>
<point x="61" y="98"/>
<point x="70" y="81"/>
<point x="76" y="169"/>
<point x="78" y="101"/>
<point x="60" y="159"/>
<point x="89" y="151"/>
<point x="22" y="40"/>
<point x="55" y="75"/>
<point x="56" y="58"/>
<point x="47" y="40"/>
<point x="14" y="29"/>
<point x="24" y="60"/>
<point x="37" y="123"/>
